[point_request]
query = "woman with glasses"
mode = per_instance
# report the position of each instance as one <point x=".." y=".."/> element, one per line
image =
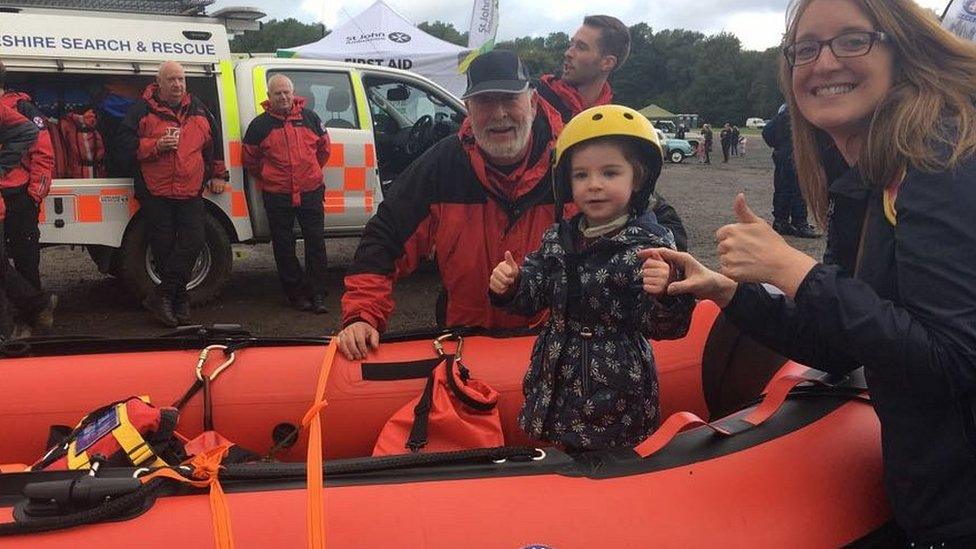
<point x="880" y="84"/>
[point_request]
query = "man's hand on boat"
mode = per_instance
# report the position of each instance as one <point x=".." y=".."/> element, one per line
<point x="356" y="339"/>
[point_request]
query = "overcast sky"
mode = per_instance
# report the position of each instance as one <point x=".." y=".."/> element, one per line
<point x="758" y="23"/>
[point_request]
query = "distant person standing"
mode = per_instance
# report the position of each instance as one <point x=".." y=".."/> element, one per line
<point x="175" y="142"/>
<point x="736" y="136"/>
<point x="726" y="139"/>
<point x="680" y="132"/>
<point x="285" y="148"/>
<point x="706" y="146"/>
<point x="24" y="188"/>
<point x="17" y="136"/>
<point x="789" y="208"/>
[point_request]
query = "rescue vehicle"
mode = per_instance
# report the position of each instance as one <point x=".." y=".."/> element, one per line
<point x="379" y="119"/>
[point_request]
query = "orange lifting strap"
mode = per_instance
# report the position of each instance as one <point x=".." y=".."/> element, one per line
<point x="206" y="467"/>
<point x="315" y="511"/>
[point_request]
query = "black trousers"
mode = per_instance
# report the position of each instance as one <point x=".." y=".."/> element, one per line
<point x="310" y="214"/>
<point x="27" y="300"/>
<point x="176" y="234"/>
<point x="6" y="314"/>
<point x="788" y="203"/>
<point x="22" y="235"/>
<point x="725" y="149"/>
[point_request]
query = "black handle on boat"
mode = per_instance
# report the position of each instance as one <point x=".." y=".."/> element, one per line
<point x="55" y="497"/>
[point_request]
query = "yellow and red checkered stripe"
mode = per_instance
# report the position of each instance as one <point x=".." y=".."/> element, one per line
<point x="347" y="175"/>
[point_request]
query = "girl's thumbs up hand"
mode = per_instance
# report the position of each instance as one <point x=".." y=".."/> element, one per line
<point x="504" y="276"/>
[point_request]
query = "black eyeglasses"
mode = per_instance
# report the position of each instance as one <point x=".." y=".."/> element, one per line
<point x="849" y="44"/>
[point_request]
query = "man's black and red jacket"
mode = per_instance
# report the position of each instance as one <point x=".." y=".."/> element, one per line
<point x="17" y="136"/>
<point x="286" y="152"/>
<point x="180" y="173"/>
<point x="36" y="170"/>
<point x="445" y="203"/>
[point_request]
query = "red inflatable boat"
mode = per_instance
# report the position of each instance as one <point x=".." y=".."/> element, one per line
<point x="782" y="462"/>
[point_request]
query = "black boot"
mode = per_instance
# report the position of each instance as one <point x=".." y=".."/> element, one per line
<point x="42" y="320"/>
<point x="783" y="228"/>
<point x="318" y="305"/>
<point x="805" y="231"/>
<point x="181" y="309"/>
<point x="161" y="308"/>
<point x="300" y="302"/>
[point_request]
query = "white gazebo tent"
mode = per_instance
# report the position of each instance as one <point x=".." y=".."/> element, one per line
<point x="381" y="36"/>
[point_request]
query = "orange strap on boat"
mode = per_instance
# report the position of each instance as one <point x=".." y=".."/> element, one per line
<point x="315" y="511"/>
<point x="206" y="467"/>
<point x="675" y="424"/>
<point x="778" y="390"/>
<point x="777" y="393"/>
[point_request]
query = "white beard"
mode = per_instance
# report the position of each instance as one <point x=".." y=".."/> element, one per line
<point x="511" y="149"/>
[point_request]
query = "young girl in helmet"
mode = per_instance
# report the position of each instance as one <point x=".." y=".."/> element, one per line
<point x="591" y="382"/>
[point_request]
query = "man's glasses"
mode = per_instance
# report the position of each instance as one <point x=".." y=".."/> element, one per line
<point x="849" y="44"/>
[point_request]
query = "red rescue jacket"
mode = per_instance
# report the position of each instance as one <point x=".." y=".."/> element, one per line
<point x="286" y="152"/>
<point x="449" y="201"/>
<point x="17" y="136"/>
<point x="37" y="169"/>
<point x="83" y="145"/>
<point x="179" y="173"/>
<point x="567" y="99"/>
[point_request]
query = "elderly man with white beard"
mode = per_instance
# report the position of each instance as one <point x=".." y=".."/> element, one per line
<point x="469" y="198"/>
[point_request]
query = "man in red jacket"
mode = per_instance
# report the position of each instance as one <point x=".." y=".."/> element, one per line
<point x="176" y="144"/>
<point x="25" y="187"/>
<point x="17" y="136"/>
<point x="471" y="197"/>
<point x="285" y="148"/>
<point x="599" y="47"/>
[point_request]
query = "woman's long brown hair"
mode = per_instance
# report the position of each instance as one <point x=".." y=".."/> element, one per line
<point x="927" y="120"/>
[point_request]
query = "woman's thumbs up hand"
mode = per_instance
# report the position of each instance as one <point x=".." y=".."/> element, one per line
<point x="751" y="251"/>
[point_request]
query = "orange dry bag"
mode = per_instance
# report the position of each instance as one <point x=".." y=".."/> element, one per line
<point x="454" y="412"/>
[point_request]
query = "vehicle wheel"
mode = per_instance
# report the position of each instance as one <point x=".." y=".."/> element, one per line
<point x="210" y="273"/>
<point x="676" y="156"/>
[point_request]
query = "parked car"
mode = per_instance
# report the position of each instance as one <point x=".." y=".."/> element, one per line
<point x="755" y="123"/>
<point x="665" y="126"/>
<point x="675" y="150"/>
<point x="669" y="129"/>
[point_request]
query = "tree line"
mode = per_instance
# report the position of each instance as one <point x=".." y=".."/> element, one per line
<point x="680" y="70"/>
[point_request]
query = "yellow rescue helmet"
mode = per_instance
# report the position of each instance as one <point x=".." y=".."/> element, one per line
<point x="608" y="121"/>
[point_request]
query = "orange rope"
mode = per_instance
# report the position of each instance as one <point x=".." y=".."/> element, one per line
<point x="206" y="467"/>
<point x="315" y="511"/>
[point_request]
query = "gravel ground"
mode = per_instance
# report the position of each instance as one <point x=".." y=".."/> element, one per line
<point x="92" y="303"/>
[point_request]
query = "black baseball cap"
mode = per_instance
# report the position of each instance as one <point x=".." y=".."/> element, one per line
<point x="499" y="71"/>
